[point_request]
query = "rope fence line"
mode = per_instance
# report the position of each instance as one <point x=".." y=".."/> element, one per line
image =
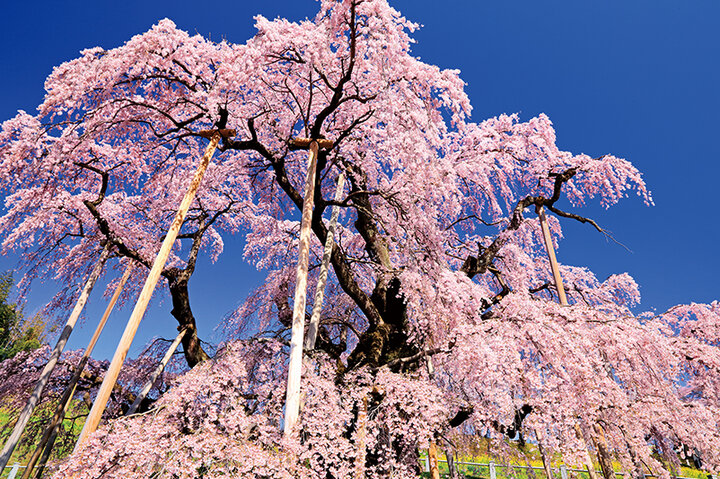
<point x="563" y="469"/>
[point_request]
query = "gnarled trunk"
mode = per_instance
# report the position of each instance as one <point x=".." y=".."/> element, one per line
<point x="384" y="342"/>
<point x="192" y="347"/>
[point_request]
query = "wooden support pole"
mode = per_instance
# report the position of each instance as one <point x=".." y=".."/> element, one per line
<point x="46" y="455"/>
<point x="322" y="279"/>
<point x="545" y="457"/>
<point x="551" y="254"/>
<point x="54" y="424"/>
<point x="433" y="460"/>
<point x="156" y="373"/>
<point x="224" y="133"/>
<point x="450" y="459"/>
<point x="52" y="428"/>
<point x="304" y="143"/>
<point x="292" y="398"/>
<point x="588" y="461"/>
<point x="118" y="359"/>
<point x="603" y="453"/>
<point x="27" y="411"/>
<point x="432" y="447"/>
<point x="361" y="435"/>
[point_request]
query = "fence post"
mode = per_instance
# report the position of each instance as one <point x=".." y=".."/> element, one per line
<point x="14" y="470"/>
<point x="426" y="464"/>
<point x="563" y="472"/>
<point x="492" y="470"/>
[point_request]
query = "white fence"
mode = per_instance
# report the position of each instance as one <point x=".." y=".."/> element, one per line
<point x="14" y="470"/>
<point x="563" y="469"/>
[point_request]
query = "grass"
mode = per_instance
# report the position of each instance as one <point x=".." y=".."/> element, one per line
<point x="33" y="432"/>
<point x="529" y="457"/>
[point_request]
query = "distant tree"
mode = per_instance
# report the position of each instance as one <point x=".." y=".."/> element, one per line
<point x="17" y="333"/>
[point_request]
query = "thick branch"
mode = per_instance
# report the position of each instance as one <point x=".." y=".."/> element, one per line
<point x="340" y="265"/>
<point x="335" y="101"/>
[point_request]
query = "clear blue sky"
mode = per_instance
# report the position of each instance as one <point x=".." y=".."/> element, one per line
<point x="639" y="79"/>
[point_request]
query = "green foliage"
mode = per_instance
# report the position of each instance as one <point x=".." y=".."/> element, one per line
<point x="67" y="436"/>
<point x="17" y="333"/>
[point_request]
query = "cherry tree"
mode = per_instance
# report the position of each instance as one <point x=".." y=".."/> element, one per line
<point x="440" y="310"/>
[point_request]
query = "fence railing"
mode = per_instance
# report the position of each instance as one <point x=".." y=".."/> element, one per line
<point x="14" y="470"/>
<point x="563" y="469"/>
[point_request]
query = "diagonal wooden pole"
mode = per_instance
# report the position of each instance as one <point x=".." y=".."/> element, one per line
<point x="432" y="447"/>
<point x="545" y="457"/>
<point x="46" y="455"/>
<point x="322" y="279"/>
<point x="603" y="452"/>
<point x="27" y="411"/>
<point x="551" y="254"/>
<point x="433" y="460"/>
<point x="589" y="466"/>
<point x="52" y="427"/>
<point x="292" y="398"/>
<point x="113" y="371"/>
<point x="156" y="373"/>
<point x="563" y="301"/>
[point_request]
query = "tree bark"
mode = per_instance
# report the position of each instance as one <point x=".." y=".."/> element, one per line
<point x="182" y="312"/>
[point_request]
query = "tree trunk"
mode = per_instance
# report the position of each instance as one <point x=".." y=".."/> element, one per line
<point x="192" y="347"/>
<point x="387" y="341"/>
<point x="451" y="463"/>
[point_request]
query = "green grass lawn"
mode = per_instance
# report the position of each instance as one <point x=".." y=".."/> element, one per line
<point x="33" y="432"/>
<point x="529" y="457"/>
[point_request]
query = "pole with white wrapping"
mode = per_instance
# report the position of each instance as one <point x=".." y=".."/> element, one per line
<point x="322" y="279"/>
<point x="292" y="398"/>
<point x="156" y="373"/>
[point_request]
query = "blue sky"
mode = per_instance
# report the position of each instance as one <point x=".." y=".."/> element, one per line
<point x="639" y="79"/>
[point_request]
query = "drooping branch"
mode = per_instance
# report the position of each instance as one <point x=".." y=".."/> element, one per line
<point x="102" y="223"/>
<point x="475" y="265"/>
<point x="104" y="176"/>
